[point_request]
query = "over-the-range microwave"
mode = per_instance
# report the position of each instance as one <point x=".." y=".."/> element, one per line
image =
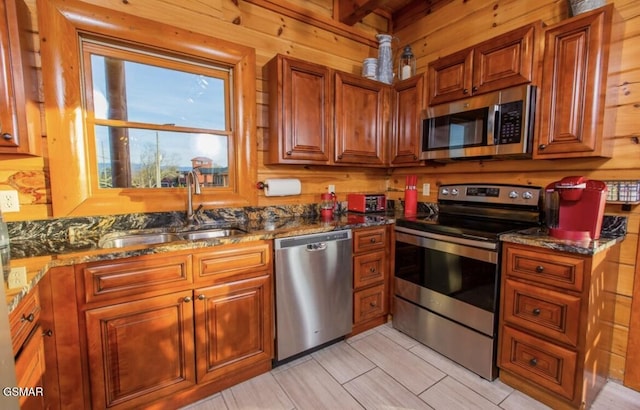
<point x="487" y="126"/>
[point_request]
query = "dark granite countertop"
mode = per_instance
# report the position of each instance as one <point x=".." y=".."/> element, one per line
<point x="32" y="258"/>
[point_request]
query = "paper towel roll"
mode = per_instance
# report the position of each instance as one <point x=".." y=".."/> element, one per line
<point x="282" y="187"/>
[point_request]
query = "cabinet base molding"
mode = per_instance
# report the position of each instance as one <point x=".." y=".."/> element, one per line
<point x="369" y="324"/>
<point x="524" y="386"/>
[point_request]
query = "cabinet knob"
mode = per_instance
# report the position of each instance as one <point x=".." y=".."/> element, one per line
<point x="539" y="268"/>
<point x="372" y="240"/>
<point x="47" y="333"/>
<point x="542" y="146"/>
<point x="372" y="270"/>
<point x="465" y="91"/>
<point x="474" y="88"/>
<point x="372" y="304"/>
<point x="201" y="296"/>
<point x="7" y="136"/>
<point x="289" y="153"/>
<point x="28" y="318"/>
<point x="533" y="362"/>
<point x="339" y="156"/>
<point x="415" y="157"/>
<point x="187" y="299"/>
<point x="536" y="312"/>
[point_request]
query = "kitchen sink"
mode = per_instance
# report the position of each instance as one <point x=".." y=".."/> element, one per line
<point x="123" y="239"/>
<point x="212" y="233"/>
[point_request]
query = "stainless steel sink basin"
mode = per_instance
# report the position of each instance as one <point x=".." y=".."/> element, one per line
<point x="123" y="239"/>
<point x="212" y="233"/>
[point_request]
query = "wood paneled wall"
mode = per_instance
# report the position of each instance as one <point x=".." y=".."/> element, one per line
<point x="457" y="25"/>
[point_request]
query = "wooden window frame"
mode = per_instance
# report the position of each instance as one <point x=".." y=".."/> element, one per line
<point x="74" y="188"/>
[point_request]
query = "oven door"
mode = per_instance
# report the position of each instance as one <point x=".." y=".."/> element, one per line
<point x="456" y="278"/>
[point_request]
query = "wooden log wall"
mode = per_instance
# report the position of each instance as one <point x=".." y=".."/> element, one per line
<point x="458" y="24"/>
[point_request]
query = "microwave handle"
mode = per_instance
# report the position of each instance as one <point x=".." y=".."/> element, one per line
<point x="494" y="126"/>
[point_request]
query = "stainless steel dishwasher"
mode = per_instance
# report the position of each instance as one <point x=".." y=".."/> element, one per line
<point x="314" y="288"/>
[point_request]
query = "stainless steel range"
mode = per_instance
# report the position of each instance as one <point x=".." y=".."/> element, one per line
<point x="447" y="269"/>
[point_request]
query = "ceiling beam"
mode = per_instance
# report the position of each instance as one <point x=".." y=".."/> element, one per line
<point x="349" y="12"/>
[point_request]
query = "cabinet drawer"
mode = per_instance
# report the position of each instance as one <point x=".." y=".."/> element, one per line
<point x="369" y="303"/>
<point x="368" y="269"/>
<point x="545" y="364"/>
<point x="543" y="311"/>
<point x="151" y="274"/>
<point x="545" y="267"/>
<point x="30" y="368"/>
<point x="24" y="318"/>
<point x="243" y="260"/>
<point x="369" y="239"/>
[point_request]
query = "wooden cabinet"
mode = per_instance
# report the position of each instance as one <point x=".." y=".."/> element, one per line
<point x="326" y="117"/>
<point x="554" y="323"/>
<point x="370" y="278"/>
<point x="501" y="62"/>
<point x="574" y="86"/>
<point x="300" y="112"/>
<point x="407" y="105"/>
<point x="28" y="348"/>
<point x="20" y="129"/>
<point x="361" y="120"/>
<point x="164" y="329"/>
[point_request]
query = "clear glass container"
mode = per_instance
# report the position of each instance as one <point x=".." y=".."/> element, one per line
<point x="406" y="64"/>
<point x="5" y="251"/>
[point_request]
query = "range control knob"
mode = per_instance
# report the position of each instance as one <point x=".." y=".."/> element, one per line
<point x="444" y="191"/>
<point x="513" y="194"/>
<point x="454" y="191"/>
<point x="527" y="195"/>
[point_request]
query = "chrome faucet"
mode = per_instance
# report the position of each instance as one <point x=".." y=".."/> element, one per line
<point x="192" y="180"/>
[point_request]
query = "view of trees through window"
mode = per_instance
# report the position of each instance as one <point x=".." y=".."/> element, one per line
<point x="156" y="118"/>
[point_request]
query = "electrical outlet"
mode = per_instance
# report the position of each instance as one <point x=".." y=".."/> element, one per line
<point x="9" y="201"/>
<point x="331" y="188"/>
<point x="426" y="189"/>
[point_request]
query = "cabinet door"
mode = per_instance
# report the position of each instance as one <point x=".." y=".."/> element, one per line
<point x="407" y="106"/>
<point x="450" y="77"/>
<point x="504" y="61"/>
<point x="361" y="120"/>
<point x="140" y="351"/>
<point x="300" y="104"/>
<point x="30" y="368"/>
<point x="572" y="101"/>
<point x="19" y="110"/>
<point x="233" y="323"/>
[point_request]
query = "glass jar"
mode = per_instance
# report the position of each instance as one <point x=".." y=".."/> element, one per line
<point x="5" y="251"/>
<point x="407" y="64"/>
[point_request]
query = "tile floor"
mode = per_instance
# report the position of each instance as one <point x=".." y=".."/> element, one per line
<point x="384" y="369"/>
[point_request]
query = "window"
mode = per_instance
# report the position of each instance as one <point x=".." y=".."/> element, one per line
<point x="139" y="113"/>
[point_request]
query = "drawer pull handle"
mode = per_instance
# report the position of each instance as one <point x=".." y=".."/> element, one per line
<point x="536" y="312"/>
<point x="539" y="268"/>
<point x="29" y="318"/>
<point x="201" y="296"/>
<point x="533" y="362"/>
<point x="373" y="304"/>
<point x="47" y="333"/>
<point x="187" y="299"/>
<point x="372" y="270"/>
<point x="7" y="136"/>
<point x="372" y="240"/>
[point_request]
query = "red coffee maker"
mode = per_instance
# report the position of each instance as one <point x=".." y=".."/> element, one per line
<point x="574" y="208"/>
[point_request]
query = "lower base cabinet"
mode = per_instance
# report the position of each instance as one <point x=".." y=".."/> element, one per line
<point x="162" y="331"/>
<point x="556" y="323"/>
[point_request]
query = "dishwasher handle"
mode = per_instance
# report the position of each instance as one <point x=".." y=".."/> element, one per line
<point x="315" y="247"/>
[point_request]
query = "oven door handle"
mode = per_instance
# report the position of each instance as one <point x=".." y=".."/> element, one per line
<point x="446" y="244"/>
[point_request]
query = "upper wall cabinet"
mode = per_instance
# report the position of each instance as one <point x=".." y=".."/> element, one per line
<point x="19" y="110"/>
<point x="325" y="117"/>
<point x="300" y="112"/>
<point x="407" y="104"/>
<point x="503" y="61"/>
<point x="577" y="58"/>
<point x="361" y="120"/>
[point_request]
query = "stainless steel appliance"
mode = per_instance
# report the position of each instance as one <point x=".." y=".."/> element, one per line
<point x="314" y="291"/>
<point x="493" y="125"/>
<point x="447" y="269"/>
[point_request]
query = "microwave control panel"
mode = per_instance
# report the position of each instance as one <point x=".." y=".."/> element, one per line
<point x="510" y="125"/>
